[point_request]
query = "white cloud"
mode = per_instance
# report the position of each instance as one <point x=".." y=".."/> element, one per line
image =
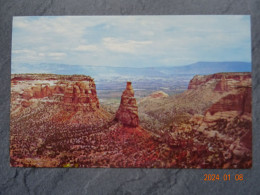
<point x="128" y="40"/>
<point x="125" y="46"/>
<point x="21" y="51"/>
<point x="86" y="48"/>
<point x="41" y="54"/>
<point x="56" y="54"/>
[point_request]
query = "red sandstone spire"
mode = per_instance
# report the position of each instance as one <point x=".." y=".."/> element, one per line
<point x="127" y="112"/>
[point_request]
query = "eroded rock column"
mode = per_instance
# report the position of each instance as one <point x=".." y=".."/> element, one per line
<point x="127" y="112"/>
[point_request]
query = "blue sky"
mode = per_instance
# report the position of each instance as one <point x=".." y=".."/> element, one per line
<point x="130" y="41"/>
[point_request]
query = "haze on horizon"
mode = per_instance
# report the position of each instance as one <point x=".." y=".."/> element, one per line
<point x="129" y="41"/>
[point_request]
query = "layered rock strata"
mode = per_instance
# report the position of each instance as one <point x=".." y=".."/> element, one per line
<point x="127" y="112"/>
<point x="239" y="102"/>
<point x="232" y="96"/>
<point x="222" y="81"/>
<point x="75" y="92"/>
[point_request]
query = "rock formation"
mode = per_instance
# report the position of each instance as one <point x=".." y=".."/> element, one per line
<point x="76" y="92"/>
<point x="228" y="118"/>
<point x="239" y="102"/>
<point x="81" y="96"/>
<point x="232" y="96"/>
<point x="222" y="81"/>
<point x="232" y="93"/>
<point x="157" y="95"/>
<point x="127" y="113"/>
<point x="58" y="122"/>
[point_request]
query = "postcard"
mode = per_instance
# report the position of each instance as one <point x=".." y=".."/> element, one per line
<point x="131" y="91"/>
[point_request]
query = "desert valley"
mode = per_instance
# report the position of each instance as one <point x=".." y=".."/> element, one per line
<point x="201" y="121"/>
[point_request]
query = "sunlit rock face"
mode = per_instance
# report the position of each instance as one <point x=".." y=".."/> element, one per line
<point x="236" y="94"/>
<point x="74" y="93"/>
<point x="232" y="96"/>
<point x="127" y="113"/>
<point x="239" y="102"/>
<point x="81" y="96"/>
<point x="223" y="82"/>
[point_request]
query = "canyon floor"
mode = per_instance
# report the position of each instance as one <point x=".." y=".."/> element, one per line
<point x="63" y="121"/>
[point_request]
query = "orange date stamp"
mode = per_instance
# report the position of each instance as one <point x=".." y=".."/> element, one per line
<point x="224" y="177"/>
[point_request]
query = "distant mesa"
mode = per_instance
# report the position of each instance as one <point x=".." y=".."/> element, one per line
<point x="158" y="94"/>
<point x="127" y="112"/>
<point x="223" y="81"/>
<point x="203" y="68"/>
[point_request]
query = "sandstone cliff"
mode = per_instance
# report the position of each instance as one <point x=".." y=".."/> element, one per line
<point x="232" y="91"/>
<point x="70" y="98"/>
<point x="229" y="117"/>
<point x="76" y="92"/>
<point x="53" y="122"/>
<point x="215" y="113"/>
<point x="127" y="112"/>
<point x="221" y="81"/>
<point x="237" y="103"/>
<point x="232" y="95"/>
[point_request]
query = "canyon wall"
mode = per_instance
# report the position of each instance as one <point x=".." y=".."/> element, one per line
<point x="222" y="81"/>
<point x="75" y="92"/>
<point x="230" y="116"/>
